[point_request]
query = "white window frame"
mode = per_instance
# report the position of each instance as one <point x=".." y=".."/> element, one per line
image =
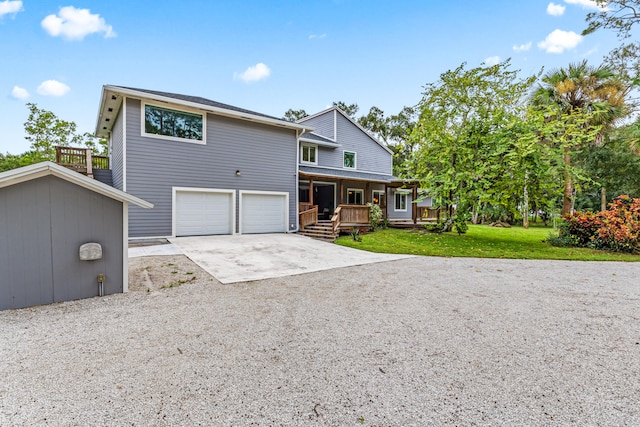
<point x="395" y="200"/>
<point x="143" y="132"/>
<point x="355" y="159"/>
<point x="304" y="145"/>
<point x="380" y="194"/>
<point x="355" y="190"/>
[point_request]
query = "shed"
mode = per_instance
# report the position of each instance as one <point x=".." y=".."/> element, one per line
<point x="47" y="212"/>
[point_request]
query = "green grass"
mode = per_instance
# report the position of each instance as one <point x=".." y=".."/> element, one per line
<point x="480" y="241"/>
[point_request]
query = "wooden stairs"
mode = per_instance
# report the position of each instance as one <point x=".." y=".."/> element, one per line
<point x="322" y="230"/>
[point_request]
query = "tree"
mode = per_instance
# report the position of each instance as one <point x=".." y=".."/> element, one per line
<point x="292" y="115"/>
<point x="467" y="121"/>
<point x="349" y="109"/>
<point x="583" y="90"/>
<point x="619" y="15"/>
<point x="45" y="131"/>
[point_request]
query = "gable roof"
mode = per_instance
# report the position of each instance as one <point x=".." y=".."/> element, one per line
<point x="111" y="102"/>
<point x="38" y="170"/>
<point x="345" y="115"/>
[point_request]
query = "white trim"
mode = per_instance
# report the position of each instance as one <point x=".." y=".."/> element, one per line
<point x="143" y="132"/>
<point x="356" y="190"/>
<point x="268" y="193"/>
<point x="308" y="145"/>
<point x="124" y="144"/>
<point x="125" y="247"/>
<point x="359" y="170"/>
<point x="38" y="170"/>
<point x="320" y="143"/>
<point x="174" y="190"/>
<point x="373" y="195"/>
<point x="355" y="160"/>
<point x="297" y="207"/>
<point x="249" y="116"/>
<point x="400" y="193"/>
<point x="335" y="124"/>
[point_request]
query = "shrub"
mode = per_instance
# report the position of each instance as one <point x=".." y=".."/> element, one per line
<point x="616" y="229"/>
<point x="375" y="216"/>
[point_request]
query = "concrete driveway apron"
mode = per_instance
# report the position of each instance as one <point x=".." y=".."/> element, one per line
<point x="242" y="258"/>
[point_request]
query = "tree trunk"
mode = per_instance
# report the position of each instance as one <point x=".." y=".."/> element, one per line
<point x="568" y="185"/>
<point x="603" y="199"/>
<point x="525" y="201"/>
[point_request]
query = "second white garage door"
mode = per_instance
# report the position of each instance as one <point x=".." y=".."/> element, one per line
<point x="263" y="212"/>
<point x="201" y="212"/>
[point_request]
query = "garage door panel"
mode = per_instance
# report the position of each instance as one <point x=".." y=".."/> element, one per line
<point x="263" y="213"/>
<point x="204" y="213"/>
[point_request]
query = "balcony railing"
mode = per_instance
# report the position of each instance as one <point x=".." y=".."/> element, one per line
<point x="80" y="159"/>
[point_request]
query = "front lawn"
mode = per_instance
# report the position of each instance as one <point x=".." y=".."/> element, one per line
<point x="481" y="241"/>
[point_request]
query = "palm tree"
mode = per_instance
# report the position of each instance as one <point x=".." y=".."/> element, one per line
<point x="595" y="90"/>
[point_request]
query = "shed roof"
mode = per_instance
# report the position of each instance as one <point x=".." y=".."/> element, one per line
<point x="38" y="170"/>
<point x="346" y="174"/>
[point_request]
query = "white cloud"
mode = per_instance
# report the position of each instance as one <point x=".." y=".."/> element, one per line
<point x="587" y="4"/>
<point x="53" y="88"/>
<point x="492" y="60"/>
<point x="253" y="74"/>
<point x="522" y="47"/>
<point x="75" y="24"/>
<point x="558" y="41"/>
<point x="19" y="92"/>
<point x="10" y="7"/>
<point x="317" y="36"/>
<point x="555" y="9"/>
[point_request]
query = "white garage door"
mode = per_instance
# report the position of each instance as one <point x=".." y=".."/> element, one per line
<point x="204" y="212"/>
<point x="263" y="212"/>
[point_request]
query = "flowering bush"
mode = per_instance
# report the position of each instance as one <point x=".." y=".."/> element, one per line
<point x="616" y="229"/>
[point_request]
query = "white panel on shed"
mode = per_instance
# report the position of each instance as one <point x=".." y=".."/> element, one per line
<point x="200" y="213"/>
<point x="263" y="212"/>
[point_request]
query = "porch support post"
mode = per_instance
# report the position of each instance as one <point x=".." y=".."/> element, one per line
<point x="311" y="191"/>
<point x="386" y="201"/>
<point x="367" y="195"/>
<point x="341" y="198"/>
<point x="414" y="207"/>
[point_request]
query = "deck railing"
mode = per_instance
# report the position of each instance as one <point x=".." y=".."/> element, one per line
<point x="80" y="159"/>
<point x="349" y="216"/>
<point x="308" y="217"/>
<point x="430" y="214"/>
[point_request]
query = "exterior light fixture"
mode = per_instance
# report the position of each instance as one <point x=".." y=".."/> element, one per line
<point x="238" y="173"/>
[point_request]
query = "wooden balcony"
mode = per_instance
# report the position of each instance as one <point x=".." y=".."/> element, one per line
<point x="80" y="160"/>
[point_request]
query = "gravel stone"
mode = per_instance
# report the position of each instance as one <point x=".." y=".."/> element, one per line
<point x="420" y="341"/>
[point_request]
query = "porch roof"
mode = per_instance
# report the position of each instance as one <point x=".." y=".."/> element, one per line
<point x="310" y="171"/>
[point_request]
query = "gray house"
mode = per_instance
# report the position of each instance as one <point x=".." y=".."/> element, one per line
<point x="209" y="168"/>
<point x="342" y="164"/>
<point x="52" y="220"/>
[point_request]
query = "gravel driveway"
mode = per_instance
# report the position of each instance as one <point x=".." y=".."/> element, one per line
<point x="418" y="341"/>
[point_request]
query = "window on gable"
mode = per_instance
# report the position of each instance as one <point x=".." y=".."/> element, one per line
<point x="309" y="154"/>
<point x="401" y="201"/>
<point x="173" y="124"/>
<point x="355" y="196"/>
<point x="349" y="159"/>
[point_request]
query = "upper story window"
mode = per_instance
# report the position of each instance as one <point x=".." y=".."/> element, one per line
<point x="309" y="154"/>
<point x="349" y="159"/>
<point x="173" y="124"/>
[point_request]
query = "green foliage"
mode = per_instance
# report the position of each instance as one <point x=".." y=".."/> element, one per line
<point x="618" y="15"/>
<point x="355" y="234"/>
<point x="616" y="229"/>
<point x="292" y="115"/>
<point x="561" y="238"/>
<point x="349" y="109"/>
<point x="375" y="216"/>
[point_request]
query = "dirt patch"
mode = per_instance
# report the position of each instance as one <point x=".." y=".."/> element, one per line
<point x="155" y="273"/>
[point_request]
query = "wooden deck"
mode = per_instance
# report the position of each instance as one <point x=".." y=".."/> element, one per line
<point x="81" y="160"/>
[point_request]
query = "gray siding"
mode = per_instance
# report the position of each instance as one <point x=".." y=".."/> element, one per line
<point x="370" y="156"/>
<point x="322" y="124"/>
<point x="391" y="203"/>
<point x="117" y="140"/>
<point x="265" y="156"/>
<point x="43" y="222"/>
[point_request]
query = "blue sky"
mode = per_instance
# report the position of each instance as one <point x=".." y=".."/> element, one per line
<point x="269" y="56"/>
